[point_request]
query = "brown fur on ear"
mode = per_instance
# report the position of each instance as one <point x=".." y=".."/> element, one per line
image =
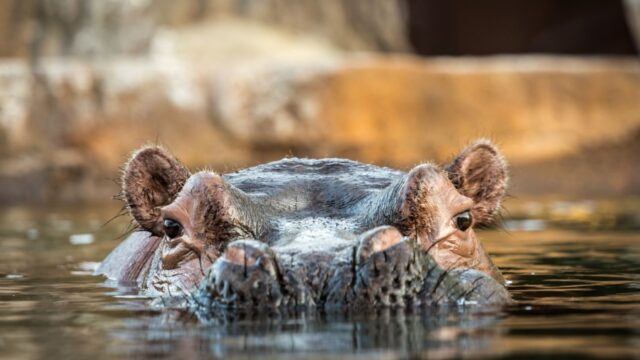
<point x="152" y="178"/>
<point x="480" y="172"/>
<point x="416" y="210"/>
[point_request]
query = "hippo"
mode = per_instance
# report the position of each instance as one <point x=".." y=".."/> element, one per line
<point x="311" y="233"/>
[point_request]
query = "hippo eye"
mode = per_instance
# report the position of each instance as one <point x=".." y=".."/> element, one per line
<point x="172" y="228"/>
<point x="463" y="220"/>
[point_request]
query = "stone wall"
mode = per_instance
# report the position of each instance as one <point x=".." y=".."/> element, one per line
<point x="98" y="28"/>
<point x="67" y="127"/>
<point x="226" y="84"/>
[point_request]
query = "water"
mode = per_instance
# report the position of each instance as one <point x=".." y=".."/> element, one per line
<point x="578" y="295"/>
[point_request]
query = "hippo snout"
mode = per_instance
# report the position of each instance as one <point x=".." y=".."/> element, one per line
<point x="381" y="268"/>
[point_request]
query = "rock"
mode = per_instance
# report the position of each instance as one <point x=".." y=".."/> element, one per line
<point x="97" y="28"/>
<point x="68" y="125"/>
<point x="271" y="106"/>
<point x="398" y="110"/>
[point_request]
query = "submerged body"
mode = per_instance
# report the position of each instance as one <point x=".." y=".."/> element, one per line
<point x="312" y="233"/>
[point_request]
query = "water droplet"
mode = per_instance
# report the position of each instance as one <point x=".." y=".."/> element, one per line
<point x="525" y="225"/>
<point x="33" y="233"/>
<point x="81" y="239"/>
<point x="88" y="266"/>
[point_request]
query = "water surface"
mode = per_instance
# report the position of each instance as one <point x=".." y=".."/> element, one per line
<point x="578" y="295"/>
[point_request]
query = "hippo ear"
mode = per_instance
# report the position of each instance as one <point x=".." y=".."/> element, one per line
<point x="152" y="178"/>
<point x="480" y="172"/>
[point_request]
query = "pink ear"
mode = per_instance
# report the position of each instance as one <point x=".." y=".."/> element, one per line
<point x="480" y="172"/>
<point x="152" y="178"/>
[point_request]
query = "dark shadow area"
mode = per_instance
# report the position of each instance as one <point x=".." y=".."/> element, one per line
<point x="466" y="27"/>
<point x="597" y="171"/>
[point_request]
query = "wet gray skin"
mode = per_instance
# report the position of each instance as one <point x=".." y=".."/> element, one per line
<point x="350" y="274"/>
<point x="320" y="234"/>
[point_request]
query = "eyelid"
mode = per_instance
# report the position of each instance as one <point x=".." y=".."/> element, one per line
<point x="463" y="211"/>
<point x="461" y="204"/>
<point x="469" y="210"/>
<point x="172" y="220"/>
<point x="176" y="213"/>
<point x="167" y="213"/>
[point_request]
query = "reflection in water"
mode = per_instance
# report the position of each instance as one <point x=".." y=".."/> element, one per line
<point x="577" y="294"/>
<point x="449" y="333"/>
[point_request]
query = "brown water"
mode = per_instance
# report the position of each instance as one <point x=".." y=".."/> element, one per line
<point x="578" y="296"/>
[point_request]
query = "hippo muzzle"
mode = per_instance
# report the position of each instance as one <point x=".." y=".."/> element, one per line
<point x="381" y="268"/>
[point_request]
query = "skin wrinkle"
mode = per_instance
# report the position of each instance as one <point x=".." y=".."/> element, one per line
<point x="440" y="281"/>
<point x="195" y="244"/>
<point x="474" y="287"/>
<point x="461" y="243"/>
<point x="216" y="210"/>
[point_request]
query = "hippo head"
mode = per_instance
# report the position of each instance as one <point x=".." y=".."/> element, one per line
<point x="192" y="214"/>
<point x="300" y="231"/>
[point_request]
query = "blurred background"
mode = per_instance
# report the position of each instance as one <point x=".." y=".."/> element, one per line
<point x="226" y="84"/>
